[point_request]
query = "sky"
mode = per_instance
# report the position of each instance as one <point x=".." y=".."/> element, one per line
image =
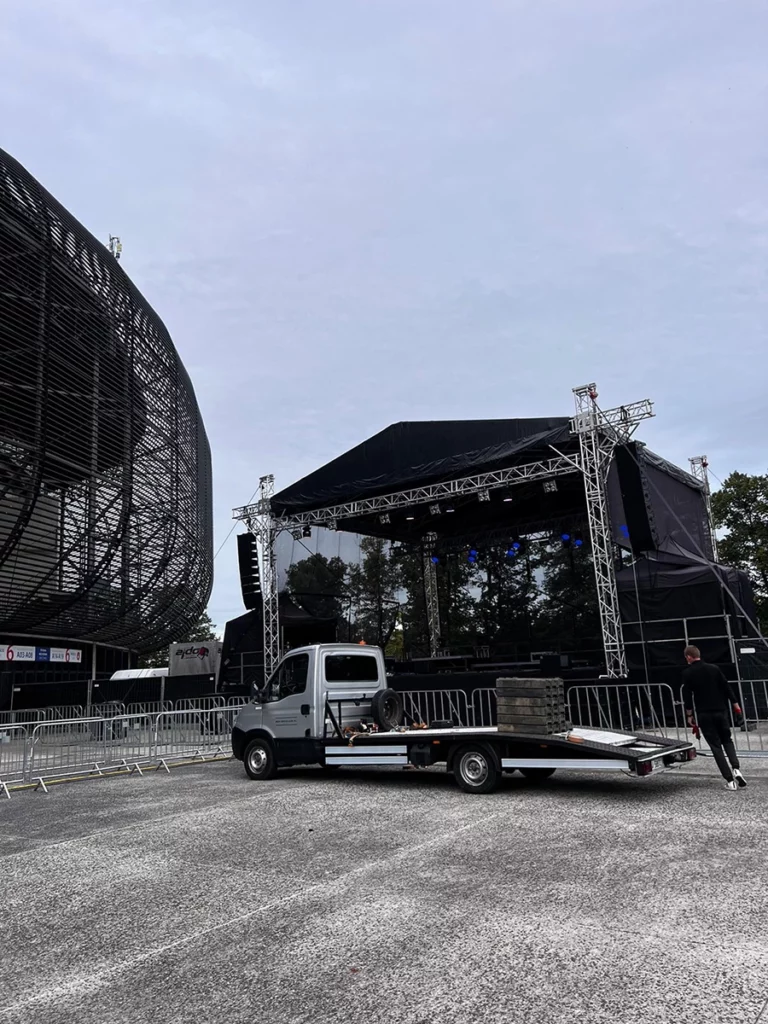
<point x="354" y="212"/>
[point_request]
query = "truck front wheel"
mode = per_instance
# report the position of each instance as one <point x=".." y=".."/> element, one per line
<point x="259" y="760"/>
<point x="475" y="770"/>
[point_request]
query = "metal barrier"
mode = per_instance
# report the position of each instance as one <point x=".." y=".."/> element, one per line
<point x="484" y="707"/>
<point x="436" y="705"/>
<point x="63" y="712"/>
<point x="149" y="707"/>
<point x="14" y="754"/>
<point x="21" y="717"/>
<point x="184" y="734"/>
<point x="199" y="703"/>
<point x="750" y="729"/>
<point x="627" y="707"/>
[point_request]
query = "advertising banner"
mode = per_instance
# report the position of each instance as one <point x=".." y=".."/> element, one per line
<point x="62" y="655"/>
<point x="196" y="659"/>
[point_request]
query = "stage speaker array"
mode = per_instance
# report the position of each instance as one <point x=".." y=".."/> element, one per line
<point x="248" y="562"/>
<point x="638" y="510"/>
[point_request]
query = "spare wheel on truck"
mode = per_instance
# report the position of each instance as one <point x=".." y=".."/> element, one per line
<point x="387" y="709"/>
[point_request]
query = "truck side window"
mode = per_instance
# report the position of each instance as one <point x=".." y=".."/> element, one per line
<point x="293" y="676"/>
<point x="351" y="668"/>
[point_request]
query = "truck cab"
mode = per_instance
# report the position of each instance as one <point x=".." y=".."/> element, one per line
<point x="290" y="715"/>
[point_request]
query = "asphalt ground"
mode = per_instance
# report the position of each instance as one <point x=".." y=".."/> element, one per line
<point x="372" y="896"/>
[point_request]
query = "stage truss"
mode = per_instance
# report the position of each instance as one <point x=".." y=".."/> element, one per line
<point x="599" y="432"/>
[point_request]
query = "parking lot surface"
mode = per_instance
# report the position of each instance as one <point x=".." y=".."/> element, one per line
<point x="385" y="896"/>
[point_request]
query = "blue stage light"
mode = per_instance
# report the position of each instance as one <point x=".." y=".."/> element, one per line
<point x="578" y="543"/>
<point x="435" y="559"/>
<point x="565" y="537"/>
<point x="512" y="552"/>
<point x="516" y="545"/>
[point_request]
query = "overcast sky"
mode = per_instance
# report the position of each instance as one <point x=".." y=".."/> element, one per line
<point x="353" y="213"/>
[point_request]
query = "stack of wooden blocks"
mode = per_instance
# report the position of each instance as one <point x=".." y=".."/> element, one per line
<point x="531" y="705"/>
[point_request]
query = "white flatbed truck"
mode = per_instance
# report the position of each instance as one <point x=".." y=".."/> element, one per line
<point x="329" y="705"/>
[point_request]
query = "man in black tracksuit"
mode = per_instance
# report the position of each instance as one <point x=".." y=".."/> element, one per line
<point x="706" y="688"/>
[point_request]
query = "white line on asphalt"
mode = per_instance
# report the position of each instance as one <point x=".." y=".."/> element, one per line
<point x="95" y="981"/>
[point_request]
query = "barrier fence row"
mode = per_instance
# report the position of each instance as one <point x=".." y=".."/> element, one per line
<point x="111" y="709"/>
<point x="34" y="750"/>
<point x="652" y="708"/>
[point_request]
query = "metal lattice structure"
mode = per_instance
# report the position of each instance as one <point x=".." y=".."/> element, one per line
<point x="263" y="528"/>
<point x="700" y="470"/>
<point x="105" y="468"/>
<point x="599" y="432"/>
<point x="431" y="595"/>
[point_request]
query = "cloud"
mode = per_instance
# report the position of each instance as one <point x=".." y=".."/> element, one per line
<point x="358" y="212"/>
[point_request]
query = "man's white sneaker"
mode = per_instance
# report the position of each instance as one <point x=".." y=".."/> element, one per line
<point x="740" y="780"/>
<point x="732" y="785"/>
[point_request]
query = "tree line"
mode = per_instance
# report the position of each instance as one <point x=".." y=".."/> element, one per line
<point x="544" y="593"/>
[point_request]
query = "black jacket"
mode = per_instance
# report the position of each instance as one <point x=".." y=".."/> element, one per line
<point x="705" y="686"/>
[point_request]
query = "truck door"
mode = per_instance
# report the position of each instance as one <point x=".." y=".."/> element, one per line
<point x="288" y="712"/>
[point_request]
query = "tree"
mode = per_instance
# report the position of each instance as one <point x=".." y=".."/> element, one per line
<point x="508" y="593"/>
<point x="741" y="507"/>
<point x="203" y="629"/>
<point x="372" y="592"/>
<point x="319" y="585"/>
<point x="568" y="611"/>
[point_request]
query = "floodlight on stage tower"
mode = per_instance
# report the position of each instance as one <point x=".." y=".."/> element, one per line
<point x="384" y="518"/>
<point x="484" y="495"/>
<point x="434" y="510"/>
<point x="306" y="532"/>
<point x="550" y="486"/>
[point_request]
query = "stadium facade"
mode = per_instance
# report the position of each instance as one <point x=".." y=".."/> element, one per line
<point x="105" y="469"/>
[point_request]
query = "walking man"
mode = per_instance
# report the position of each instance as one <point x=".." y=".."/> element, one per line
<point x="706" y="688"/>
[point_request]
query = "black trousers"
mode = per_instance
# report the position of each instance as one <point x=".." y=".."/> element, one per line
<point x="716" y="730"/>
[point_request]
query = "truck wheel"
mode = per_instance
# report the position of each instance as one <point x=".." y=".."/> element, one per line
<point x="387" y="709"/>
<point x="475" y="770"/>
<point x="259" y="760"/>
<point x="537" y="774"/>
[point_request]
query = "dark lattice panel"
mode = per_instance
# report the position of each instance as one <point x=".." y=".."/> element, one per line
<point x="105" y="469"/>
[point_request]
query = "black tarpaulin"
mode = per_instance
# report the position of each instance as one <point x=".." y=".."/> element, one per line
<point x="411" y="454"/>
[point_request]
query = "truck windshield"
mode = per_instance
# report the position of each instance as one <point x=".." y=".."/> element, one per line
<point x="351" y="668"/>
<point x="289" y="678"/>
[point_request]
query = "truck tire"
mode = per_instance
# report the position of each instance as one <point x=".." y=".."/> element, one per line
<point x="259" y="760"/>
<point x="387" y="709"/>
<point x="474" y="769"/>
<point x="537" y="774"/>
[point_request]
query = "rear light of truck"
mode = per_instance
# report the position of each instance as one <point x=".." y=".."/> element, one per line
<point x="644" y="767"/>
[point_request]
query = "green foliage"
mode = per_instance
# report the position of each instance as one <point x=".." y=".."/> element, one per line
<point x="741" y="507"/>
<point x="203" y="629"/>
<point x="320" y="585"/>
<point x="544" y="596"/>
<point x="568" y="610"/>
<point x="372" y="587"/>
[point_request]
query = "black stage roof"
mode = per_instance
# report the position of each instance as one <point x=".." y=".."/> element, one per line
<point x="414" y="454"/>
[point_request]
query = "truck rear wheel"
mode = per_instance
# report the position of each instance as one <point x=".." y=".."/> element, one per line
<point x="475" y="770"/>
<point x="259" y="760"/>
<point x="387" y="709"/>
<point x="537" y="774"/>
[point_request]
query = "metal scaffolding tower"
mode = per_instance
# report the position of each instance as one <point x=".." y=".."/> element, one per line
<point x="431" y="595"/>
<point x="700" y="469"/>
<point x="262" y="525"/>
<point x="599" y="434"/>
